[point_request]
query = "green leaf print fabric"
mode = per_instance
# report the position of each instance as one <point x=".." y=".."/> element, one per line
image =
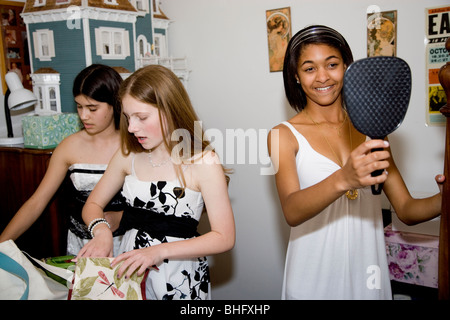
<point x="95" y="280"/>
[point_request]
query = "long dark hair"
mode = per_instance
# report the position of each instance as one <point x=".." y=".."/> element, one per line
<point x="316" y="34"/>
<point x="101" y="83"/>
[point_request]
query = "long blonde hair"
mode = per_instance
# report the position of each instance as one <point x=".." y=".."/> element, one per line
<point x="160" y="87"/>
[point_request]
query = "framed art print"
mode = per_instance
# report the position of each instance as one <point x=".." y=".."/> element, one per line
<point x="278" y="22"/>
<point x="382" y="34"/>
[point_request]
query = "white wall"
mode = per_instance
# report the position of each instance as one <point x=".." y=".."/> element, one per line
<point x="231" y="87"/>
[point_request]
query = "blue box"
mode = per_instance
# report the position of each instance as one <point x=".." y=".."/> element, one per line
<point x="47" y="131"/>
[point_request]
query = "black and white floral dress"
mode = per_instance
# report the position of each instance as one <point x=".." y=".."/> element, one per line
<point x="158" y="212"/>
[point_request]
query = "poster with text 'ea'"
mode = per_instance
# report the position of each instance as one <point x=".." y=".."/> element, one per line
<point x="437" y="32"/>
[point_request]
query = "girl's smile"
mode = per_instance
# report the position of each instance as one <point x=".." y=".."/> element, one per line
<point x="321" y="72"/>
<point x="323" y="89"/>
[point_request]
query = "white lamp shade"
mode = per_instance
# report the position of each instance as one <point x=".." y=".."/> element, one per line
<point x="20" y="97"/>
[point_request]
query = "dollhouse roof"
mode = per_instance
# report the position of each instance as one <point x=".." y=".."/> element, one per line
<point x="158" y="12"/>
<point x="46" y="70"/>
<point x="122" y="5"/>
<point x="121" y="70"/>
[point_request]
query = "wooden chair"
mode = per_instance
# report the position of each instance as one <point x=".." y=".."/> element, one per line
<point x="444" y="236"/>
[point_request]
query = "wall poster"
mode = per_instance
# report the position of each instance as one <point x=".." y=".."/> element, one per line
<point x="278" y="22"/>
<point x="437" y="31"/>
<point x="382" y="34"/>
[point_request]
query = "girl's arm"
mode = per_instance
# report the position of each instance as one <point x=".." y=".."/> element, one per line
<point x="212" y="184"/>
<point x="410" y="210"/>
<point x="110" y="183"/>
<point x="300" y="205"/>
<point x="35" y="205"/>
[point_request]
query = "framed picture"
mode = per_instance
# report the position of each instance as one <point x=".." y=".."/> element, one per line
<point x="437" y="33"/>
<point x="278" y="22"/>
<point x="14" y="54"/>
<point x="382" y="34"/>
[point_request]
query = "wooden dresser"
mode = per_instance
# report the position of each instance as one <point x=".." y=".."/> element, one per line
<point x="21" y="171"/>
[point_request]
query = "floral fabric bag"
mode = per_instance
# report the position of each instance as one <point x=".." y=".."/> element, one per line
<point x="95" y="279"/>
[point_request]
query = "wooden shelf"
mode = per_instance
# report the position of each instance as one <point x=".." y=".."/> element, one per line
<point x="21" y="171"/>
<point x="14" y="43"/>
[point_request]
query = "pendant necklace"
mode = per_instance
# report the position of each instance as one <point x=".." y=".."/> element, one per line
<point x="338" y="129"/>
<point x="350" y="194"/>
<point x="157" y="165"/>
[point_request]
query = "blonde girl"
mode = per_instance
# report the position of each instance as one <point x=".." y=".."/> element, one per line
<point x="167" y="185"/>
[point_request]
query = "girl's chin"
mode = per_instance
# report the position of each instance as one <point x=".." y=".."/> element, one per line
<point x="144" y="143"/>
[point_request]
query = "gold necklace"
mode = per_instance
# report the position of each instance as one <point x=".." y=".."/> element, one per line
<point x="338" y="129"/>
<point x="350" y="194"/>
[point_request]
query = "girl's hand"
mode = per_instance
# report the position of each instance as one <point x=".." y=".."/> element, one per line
<point x="362" y="162"/>
<point x="440" y="179"/>
<point x="139" y="259"/>
<point x="100" y="246"/>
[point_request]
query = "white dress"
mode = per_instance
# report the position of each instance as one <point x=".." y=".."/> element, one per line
<point x="83" y="177"/>
<point x="339" y="253"/>
<point x="157" y="212"/>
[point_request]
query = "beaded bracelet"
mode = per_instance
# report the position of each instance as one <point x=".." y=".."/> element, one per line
<point x="95" y="223"/>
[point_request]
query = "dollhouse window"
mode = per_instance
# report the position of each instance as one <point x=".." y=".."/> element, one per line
<point x="39" y="3"/>
<point x="111" y="2"/>
<point x="143" y="48"/>
<point x="44" y="47"/>
<point x="46" y="89"/>
<point x="52" y="99"/>
<point x="40" y="103"/>
<point x="140" y="5"/>
<point x="157" y="46"/>
<point x="160" y="45"/>
<point x="112" y="43"/>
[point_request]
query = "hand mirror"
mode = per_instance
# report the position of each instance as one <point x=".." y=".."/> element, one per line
<point x="376" y="94"/>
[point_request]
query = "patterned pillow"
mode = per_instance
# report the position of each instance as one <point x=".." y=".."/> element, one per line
<point x="95" y="279"/>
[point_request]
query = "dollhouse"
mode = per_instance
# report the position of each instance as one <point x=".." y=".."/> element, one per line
<point x="65" y="36"/>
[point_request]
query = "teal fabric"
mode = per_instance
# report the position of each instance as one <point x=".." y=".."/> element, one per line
<point x="10" y="265"/>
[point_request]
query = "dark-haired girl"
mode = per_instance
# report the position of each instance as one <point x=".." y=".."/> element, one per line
<point x="336" y="248"/>
<point x="83" y="156"/>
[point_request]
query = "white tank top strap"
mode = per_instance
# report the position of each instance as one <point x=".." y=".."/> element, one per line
<point x="297" y="135"/>
<point x="291" y="127"/>
<point x="133" y="172"/>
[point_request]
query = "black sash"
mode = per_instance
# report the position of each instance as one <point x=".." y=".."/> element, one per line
<point x="74" y="201"/>
<point x="157" y="224"/>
